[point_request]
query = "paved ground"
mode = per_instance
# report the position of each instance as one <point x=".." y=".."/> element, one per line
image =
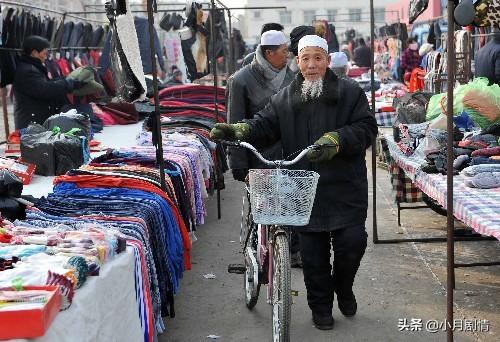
<point x="395" y="282"/>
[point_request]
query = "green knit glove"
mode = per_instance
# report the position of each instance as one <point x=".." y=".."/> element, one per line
<point x="330" y="146"/>
<point x="238" y="131"/>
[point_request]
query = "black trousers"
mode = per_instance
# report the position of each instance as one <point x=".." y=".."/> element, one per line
<point x="348" y="248"/>
<point x="294" y="242"/>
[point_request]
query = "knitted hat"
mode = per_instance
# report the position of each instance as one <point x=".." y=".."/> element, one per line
<point x="297" y="33"/>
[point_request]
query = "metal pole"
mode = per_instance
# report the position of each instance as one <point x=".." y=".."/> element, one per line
<point x="374" y="142"/>
<point x="449" y="175"/>
<point x="156" y="113"/>
<point x="231" y="46"/>
<point x="5" y="113"/>
<point x="216" y="102"/>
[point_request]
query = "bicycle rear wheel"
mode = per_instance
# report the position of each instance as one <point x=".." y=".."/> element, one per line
<point x="282" y="296"/>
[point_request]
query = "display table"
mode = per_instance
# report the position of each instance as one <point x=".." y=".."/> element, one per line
<point x="477" y="208"/>
<point x="104" y="308"/>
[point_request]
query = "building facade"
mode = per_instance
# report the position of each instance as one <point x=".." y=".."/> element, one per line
<point x="345" y="15"/>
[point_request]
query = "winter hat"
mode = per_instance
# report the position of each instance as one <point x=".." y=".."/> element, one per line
<point x="36" y="43"/>
<point x="296" y="34"/>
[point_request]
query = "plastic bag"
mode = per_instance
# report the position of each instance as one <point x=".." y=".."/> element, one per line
<point x="71" y="119"/>
<point x="53" y="152"/>
<point x="463" y="99"/>
<point x="69" y="153"/>
<point x="411" y="108"/>
<point x="10" y="184"/>
<point x="38" y="149"/>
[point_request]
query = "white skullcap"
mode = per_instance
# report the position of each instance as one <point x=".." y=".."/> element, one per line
<point x="313" y="40"/>
<point x="273" y="37"/>
<point x="339" y="60"/>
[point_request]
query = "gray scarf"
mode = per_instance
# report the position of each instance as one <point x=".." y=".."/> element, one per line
<point x="273" y="76"/>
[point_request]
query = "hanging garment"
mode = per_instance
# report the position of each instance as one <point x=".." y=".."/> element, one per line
<point x="142" y="29"/>
<point x="8" y="58"/>
<point x="194" y="47"/>
<point x="220" y="35"/>
<point x="416" y="8"/>
<point x="494" y="13"/>
<point x="128" y="75"/>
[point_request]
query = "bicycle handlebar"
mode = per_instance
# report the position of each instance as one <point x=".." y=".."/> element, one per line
<point x="271" y="162"/>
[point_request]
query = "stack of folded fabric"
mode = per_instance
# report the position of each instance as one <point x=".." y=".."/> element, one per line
<point x="484" y="176"/>
<point x="193" y="93"/>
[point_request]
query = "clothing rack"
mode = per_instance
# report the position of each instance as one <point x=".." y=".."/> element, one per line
<point x="38" y="8"/>
<point x="57" y="49"/>
<point x="64" y="14"/>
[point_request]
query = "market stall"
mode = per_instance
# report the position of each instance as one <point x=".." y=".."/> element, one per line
<point x="147" y="191"/>
<point x="461" y="197"/>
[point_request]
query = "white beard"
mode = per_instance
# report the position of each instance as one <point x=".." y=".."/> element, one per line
<point x="312" y="89"/>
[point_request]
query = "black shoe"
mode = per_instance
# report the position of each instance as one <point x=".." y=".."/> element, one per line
<point x="296" y="260"/>
<point x="347" y="305"/>
<point x="323" y="322"/>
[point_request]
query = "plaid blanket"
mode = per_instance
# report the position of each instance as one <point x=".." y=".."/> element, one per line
<point x="405" y="190"/>
<point x="385" y="118"/>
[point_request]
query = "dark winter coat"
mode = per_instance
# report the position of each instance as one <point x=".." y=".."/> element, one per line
<point x="342" y="193"/>
<point x="247" y="94"/>
<point x="488" y="61"/>
<point x="36" y="97"/>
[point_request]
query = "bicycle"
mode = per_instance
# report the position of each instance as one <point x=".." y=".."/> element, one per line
<point x="276" y="199"/>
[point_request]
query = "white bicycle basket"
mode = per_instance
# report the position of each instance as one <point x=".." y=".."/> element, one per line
<point x="282" y="197"/>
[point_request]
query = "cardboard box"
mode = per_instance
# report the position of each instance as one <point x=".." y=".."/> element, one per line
<point x="30" y="323"/>
<point x="23" y="170"/>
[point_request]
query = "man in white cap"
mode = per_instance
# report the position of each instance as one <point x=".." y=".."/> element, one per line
<point x="249" y="90"/>
<point x="320" y="108"/>
<point x="339" y="64"/>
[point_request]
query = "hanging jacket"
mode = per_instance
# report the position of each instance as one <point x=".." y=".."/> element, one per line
<point x="36" y="96"/>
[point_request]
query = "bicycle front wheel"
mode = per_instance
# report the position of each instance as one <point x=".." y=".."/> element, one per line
<point x="282" y="296"/>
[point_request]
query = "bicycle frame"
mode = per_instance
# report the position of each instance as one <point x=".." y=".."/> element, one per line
<point x="265" y="240"/>
<point x="266" y="254"/>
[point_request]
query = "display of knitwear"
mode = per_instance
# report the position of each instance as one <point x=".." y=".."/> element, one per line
<point x="116" y="113"/>
<point x="193" y="92"/>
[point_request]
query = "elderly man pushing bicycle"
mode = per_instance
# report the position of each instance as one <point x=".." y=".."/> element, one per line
<point x="320" y="108"/>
